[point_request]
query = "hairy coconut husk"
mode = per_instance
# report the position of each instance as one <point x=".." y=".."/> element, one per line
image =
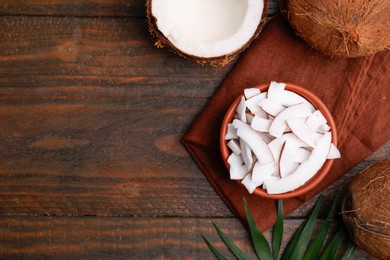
<point x="220" y="61"/>
<point x="342" y="28"/>
<point x="366" y="209"/>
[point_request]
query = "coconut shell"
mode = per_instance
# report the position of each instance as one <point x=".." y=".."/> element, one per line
<point x="162" y="42"/>
<point x="366" y="209"/>
<point x="342" y="28"/>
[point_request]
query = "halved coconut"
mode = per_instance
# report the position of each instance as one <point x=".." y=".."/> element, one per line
<point x="206" y="31"/>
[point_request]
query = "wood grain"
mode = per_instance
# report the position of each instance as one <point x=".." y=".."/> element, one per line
<point x="127" y="238"/>
<point x="75" y="58"/>
<point x="102" y="159"/>
<point x="92" y="116"/>
<point x="86" y="8"/>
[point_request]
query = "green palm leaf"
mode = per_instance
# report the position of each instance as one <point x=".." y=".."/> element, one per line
<point x="331" y="249"/>
<point x="277" y="233"/>
<point x="299" y="242"/>
<point x="314" y="249"/>
<point x="217" y="254"/>
<point x="260" y="243"/>
<point x="291" y="244"/>
<point x="303" y="239"/>
<point x="350" y="251"/>
<point x="230" y="244"/>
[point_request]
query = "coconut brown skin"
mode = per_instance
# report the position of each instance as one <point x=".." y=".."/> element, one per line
<point x="342" y="28"/>
<point x="366" y="209"/>
<point x="163" y="42"/>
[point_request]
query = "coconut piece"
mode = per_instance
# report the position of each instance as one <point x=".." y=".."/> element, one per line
<point x="254" y="141"/>
<point x="323" y="128"/>
<point x="302" y="130"/>
<point x="366" y="209"/>
<point x="290" y="98"/>
<point x="249" y="118"/>
<point x="234" y="146"/>
<point x="315" y="120"/>
<point x="237" y="169"/>
<point x="238" y="173"/>
<point x="246" y="153"/>
<point x="261" y="124"/>
<point x="271" y="178"/>
<point x="302" y="154"/>
<point x="261" y="113"/>
<point x="266" y="137"/>
<point x="334" y="153"/>
<point x="206" y="31"/>
<point x="286" y="162"/>
<point x="305" y="170"/>
<point x="276" y="145"/>
<point x="271" y="106"/>
<point x="249" y="184"/>
<point x="252" y="104"/>
<point x="286" y="167"/>
<point x="231" y="132"/>
<point x="251" y="92"/>
<point x="262" y="172"/>
<point x="241" y="109"/>
<point x="342" y="28"/>
<point x="275" y="91"/>
<point x="279" y="124"/>
<point x="235" y="160"/>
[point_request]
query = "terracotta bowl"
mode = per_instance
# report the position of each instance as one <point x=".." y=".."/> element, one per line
<point x="313" y="182"/>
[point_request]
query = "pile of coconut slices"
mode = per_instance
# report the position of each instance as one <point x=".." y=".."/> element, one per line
<point x="278" y="140"/>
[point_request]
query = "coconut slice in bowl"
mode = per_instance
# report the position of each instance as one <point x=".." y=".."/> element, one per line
<point x="206" y="31"/>
<point x="296" y="155"/>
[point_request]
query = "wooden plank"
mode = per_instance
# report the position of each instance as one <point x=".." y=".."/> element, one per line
<point x="86" y="8"/>
<point x="128" y="238"/>
<point x="73" y="8"/>
<point x="92" y="116"/>
<point x="101" y="159"/>
<point x="94" y="57"/>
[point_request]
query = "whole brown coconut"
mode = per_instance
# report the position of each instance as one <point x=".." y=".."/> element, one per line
<point x="163" y="34"/>
<point x="366" y="209"/>
<point x="342" y="28"/>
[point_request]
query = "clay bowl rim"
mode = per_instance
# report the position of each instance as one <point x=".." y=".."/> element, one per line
<point x="320" y="175"/>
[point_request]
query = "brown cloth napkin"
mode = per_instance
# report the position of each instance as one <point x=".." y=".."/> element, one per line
<point x="356" y="91"/>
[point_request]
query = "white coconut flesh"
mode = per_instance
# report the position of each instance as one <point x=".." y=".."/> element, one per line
<point x="264" y="154"/>
<point x="208" y="28"/>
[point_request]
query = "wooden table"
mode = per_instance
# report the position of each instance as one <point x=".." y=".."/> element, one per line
<point x="91" y="117"/>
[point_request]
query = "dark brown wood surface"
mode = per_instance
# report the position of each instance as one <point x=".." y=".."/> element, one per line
<point x="85" y="8"/>
<point x="91" y="118"/>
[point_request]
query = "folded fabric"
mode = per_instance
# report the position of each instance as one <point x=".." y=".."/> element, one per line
<point x="356" y="91"/>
